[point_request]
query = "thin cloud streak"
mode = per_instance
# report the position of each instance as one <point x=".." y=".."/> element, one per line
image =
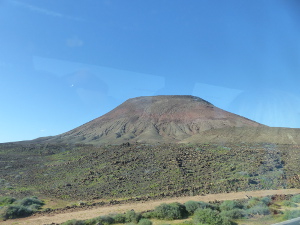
<point x="44" y="11"/>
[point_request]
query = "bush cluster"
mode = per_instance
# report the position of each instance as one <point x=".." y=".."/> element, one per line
<point x="169" y="211"/>
<point x="132" y="217"/>
<point x="296" y="199"/>
<point x="210" y="216"/>
<point x="234" y="214"/>
<point x="291" y="214"/>
<point x="129" y="217"/>
<point x="230" y="205"/>
<point x="289" y="204"/>
<point x="104" y="220"/>
<point x="119" y="218"/>
<point x="257" y="206"/>
<point x="164" y="211"/>
<point x="258" y="210"/>
<point x="264" y="202"/>
<point x="13" y="208"/>
<point x="192" y="206"/>
<point x="145" y="222"/>
<point x="6" y="200"/>
<point x="74" y="222"/>
<point x="203" y="213"/>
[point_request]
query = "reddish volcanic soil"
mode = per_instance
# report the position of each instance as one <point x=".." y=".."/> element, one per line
<point x="170" y="118"/>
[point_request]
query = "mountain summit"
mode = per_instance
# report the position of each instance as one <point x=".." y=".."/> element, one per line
<point x="152" y="119"/>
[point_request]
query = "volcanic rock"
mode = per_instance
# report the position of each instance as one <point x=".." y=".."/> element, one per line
<point x="153" y="119"/>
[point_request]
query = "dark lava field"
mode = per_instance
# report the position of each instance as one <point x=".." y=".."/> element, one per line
<point x="74" y="172"/>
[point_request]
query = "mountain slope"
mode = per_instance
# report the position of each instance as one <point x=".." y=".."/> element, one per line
<point x="276" y="135"/>
<point x="169" y="118"/>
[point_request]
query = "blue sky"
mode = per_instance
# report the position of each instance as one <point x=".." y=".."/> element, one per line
<point x="64" y="63"/>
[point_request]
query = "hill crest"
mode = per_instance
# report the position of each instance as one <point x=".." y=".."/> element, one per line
<point x="152" y="119"/>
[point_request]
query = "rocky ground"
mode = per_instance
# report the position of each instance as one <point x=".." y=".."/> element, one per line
<point x="144" y="171"/>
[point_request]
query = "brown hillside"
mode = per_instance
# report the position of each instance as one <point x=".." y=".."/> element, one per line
<point x="154" y="119"/>
<point x="276" y="135"/>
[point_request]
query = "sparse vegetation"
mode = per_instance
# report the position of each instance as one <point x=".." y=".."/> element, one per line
<point x="12" y="208"/>
<point x="169" y="211"/>
<point x="85" y="172"/>
<point x="266" y="200"/>
<point x="192" y="206"/>
<point x="296" y="199"/>
<point x="73" y="172"/>
<point x="257" y="202"/>
<point x="195" y="213"/>
<point x="210" y="216"/>
<point x="234" y="213"/>
<point x="132" y="217"/>
<point x="105" y="220"/>
<point x="6" y="200"/>
<point x="145" y="222"/>
<point x="230" y="205"/>
<point x="291" y="214"/>
<point x="119" y="218"/>
<point x="258" y="210"/>
<point x="289" y="203"/>
<point x="226" y="212"/>
<point x="74" y="222"/>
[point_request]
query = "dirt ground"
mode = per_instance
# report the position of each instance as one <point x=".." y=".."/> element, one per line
<point x="139" y="206"/>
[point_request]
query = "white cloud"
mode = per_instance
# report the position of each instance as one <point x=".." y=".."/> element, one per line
<point x="43" y="11"/>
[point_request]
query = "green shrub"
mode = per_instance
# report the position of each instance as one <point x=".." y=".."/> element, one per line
<point x="74" y="222"/>
<point x="6" y="200"/>
<point x="287" y="215"/>
<point x="252" y="202"/>
<point x="256" y="202"/>
<point x="296" y="199"/>
<point x="30" y="201"/>
<point x="104" y="220"/>
<point x="170" y="211"/>
<point x="145" y="222"/>
<point x="211" y="217"/>
<point x="15" y="211"/>
<point x="149" y="215"/>
<point x="234" y="214"/>
<point x="34" y="207"/>
<point x="230" y="205"/>
<point x="92" y="221"/>
<point x="192" y="206"/>
<point x="259" y="210"/>
<point x="132" y="216"/>
<point x="119" y="218"/>
<point x="266" y="200"/>
<point x="289" y="204"/>
<point x="20" y="208"/>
